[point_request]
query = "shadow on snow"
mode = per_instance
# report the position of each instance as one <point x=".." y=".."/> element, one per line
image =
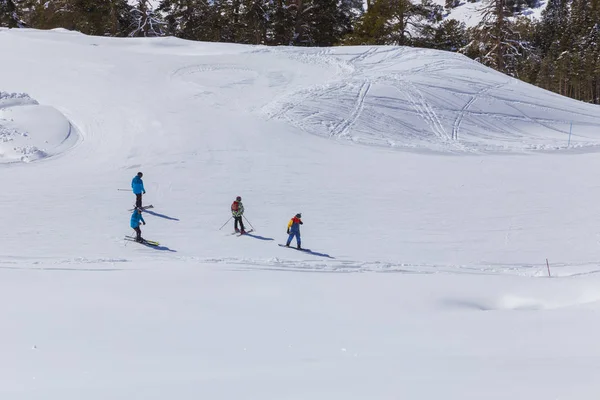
<point x="308" y="251"/>
<point x="258" y="237"/>
<point x="161" y="215"/>
<point x="314" y="253"/>
<point x="162" y="248"/>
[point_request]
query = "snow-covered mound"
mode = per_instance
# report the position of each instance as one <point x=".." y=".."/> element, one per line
<point x="29" y="131"/>
<point x="431" y="100"/>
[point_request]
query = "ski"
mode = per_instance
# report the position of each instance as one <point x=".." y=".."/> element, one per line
<point x="143" y="208"/>
<point x="294" y="247"/>
<point x="144" y="241"/>
<point x="238" y="234"/>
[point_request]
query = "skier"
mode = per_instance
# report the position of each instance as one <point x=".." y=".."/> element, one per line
<point x="237" y="210"/>
<point x="136" y="218"/>
<point x="137" y="184"/>
<point x="293" y="229"/>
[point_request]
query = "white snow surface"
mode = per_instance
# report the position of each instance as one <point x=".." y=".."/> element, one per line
<point x="470" y="12"/>
<point x="432" y="191"/>
<point x="30" y="132"/>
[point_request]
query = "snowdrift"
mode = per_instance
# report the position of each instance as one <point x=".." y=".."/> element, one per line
<point x="29" y="131"/>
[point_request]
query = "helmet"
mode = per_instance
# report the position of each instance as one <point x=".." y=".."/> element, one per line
<point x="140" y="174"/>
<point x="298" y="215"/>
<point x="238" y="198"/>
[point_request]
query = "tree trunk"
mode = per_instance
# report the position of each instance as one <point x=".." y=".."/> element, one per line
<point x="298" y="27"/>
<point x="499" y="31"/>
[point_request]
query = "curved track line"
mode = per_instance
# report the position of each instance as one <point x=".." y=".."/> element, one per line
<point x="467" y="106"/>
<point x="343" y="128"/>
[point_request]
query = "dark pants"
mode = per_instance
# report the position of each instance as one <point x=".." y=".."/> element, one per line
<point x="236" y="221"/>
<point x="291" y="236"/>
<point x="138" y="200"/>
<point x="138" y="232"/>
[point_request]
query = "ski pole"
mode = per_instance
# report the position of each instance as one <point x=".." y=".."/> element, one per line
<point x="248" y="222"/>
<point x="225" y="223"/>
<point x="123" y="190"/>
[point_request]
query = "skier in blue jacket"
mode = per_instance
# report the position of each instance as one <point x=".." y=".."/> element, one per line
<point x="137" y="184"/>
<point x="136" y="218"/>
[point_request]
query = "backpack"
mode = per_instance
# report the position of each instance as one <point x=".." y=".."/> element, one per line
<point x="234" y="206"/>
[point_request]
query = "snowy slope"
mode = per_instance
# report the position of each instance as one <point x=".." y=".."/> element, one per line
<point x="423" y="99"/>
<point x="432" y="192"/>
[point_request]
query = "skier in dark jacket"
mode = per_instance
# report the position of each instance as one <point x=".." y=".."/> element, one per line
<point x="293" y="229"/>
<point x="136" y="218"/>
<point x="237" y="210"/>
<point x="137" y="185"/>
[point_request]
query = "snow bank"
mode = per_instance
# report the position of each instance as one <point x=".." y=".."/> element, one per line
<point x="29" y="131"/>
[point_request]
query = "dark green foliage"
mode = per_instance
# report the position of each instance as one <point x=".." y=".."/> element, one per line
<point x="9" y="15"/>
<point x="324" y="22"/>
<point x="281" y="30"/>
<point x="192" y="19"/>
<point x="449" y="35"/>
<point x="569" y="45"/>
<point x="394" y="22"/>
<point x="101" y="18"/>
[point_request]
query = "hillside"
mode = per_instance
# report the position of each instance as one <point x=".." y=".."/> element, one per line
<point x="432" y="191"/>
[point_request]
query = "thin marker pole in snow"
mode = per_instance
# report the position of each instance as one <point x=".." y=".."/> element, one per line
<point x="548" y="265"/>
<point x="570" y="132"/>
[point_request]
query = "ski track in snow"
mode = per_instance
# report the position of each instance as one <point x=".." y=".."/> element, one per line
<point x="311" y="264"/>
<point x="344" y="127"/>
<point x="432" y="111"/>
<point x="339" y="266"/>
<point x="304" y="108"/>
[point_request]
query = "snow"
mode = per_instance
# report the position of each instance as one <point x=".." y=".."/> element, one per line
<point x="470" y="12"/>
<point x="432" y="191"/>
<point x="29" y="131"/>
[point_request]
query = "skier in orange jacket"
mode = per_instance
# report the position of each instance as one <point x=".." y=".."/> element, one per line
<point x="293" y="229"/>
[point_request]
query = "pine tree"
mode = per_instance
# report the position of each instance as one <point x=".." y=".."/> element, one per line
<point x="495" y="41"/>
<point x="394" y="22"/>
<point x="191" y="19"/>
<point x="450" y="35"/>
<point x="254" y="21"/>
<point x="9" y="15"/>
<point x="553" y="36"/>
<point x="554" y="21"/>
<point x="101" y="18"/>
<point x="568" y="39"/>
<point x="326" y="22"/>
<point x="281" y="30"/>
